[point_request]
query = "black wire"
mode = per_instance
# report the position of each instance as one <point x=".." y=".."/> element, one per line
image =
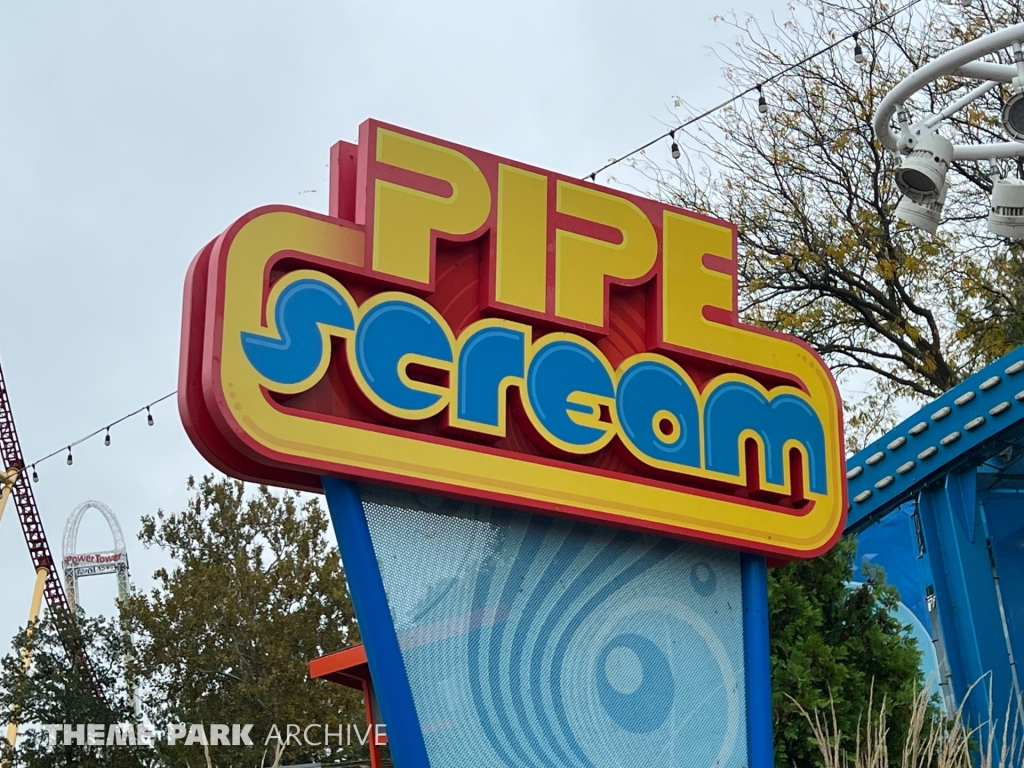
<point x="101" y="430"/>
<point x="591" y="176"/>
<point x="853" y="35"/>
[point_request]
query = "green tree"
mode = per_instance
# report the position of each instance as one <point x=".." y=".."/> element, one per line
<point x="256" y="592"/>
<point x="54" y="690"/>
<point x="833" y="646"/>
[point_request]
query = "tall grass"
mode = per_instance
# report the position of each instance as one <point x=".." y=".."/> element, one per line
<point x="933" y="741"/>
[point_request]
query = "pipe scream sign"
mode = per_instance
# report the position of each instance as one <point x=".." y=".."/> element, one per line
<point x="482" y="329"/>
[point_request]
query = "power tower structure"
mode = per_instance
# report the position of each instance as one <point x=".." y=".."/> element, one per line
<point x="80" y="565"/>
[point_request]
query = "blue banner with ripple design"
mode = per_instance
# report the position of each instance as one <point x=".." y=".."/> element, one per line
<point x="530" y="641"/>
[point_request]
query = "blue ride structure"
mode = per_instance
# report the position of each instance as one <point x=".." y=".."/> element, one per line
<point x="938" y="502"/>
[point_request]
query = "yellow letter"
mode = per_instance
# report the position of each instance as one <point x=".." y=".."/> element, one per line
<point x="520" y="273"/>
<point x="582" y="263"/>
<point x="404" y="218"/>
<point x="688" y="286"/>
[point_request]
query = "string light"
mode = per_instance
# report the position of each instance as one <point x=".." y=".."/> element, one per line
<point x="762" y="105"/>
<point x="71" y="459"/>
<point x="104" y="430"/>
<point x="858" y="52"/>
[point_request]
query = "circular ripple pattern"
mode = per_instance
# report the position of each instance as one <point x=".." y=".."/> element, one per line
<point x="642" y="707"/>
<point x="532" y="641"/>
<point x="703" y="579"/>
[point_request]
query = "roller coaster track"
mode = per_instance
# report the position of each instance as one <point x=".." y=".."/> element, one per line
<point x="35" y="537"/>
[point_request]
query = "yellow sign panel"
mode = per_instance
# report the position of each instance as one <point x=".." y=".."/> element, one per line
<point x="479" y="328"/>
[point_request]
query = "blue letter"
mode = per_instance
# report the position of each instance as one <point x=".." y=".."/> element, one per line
<point x="561" y="369"/>
<point x="303" y="308"/>
<point x="489" y="356"/>
<point x="646" y="388"/>
<point x="387" y="333"/>
<point x="736" y="406"/>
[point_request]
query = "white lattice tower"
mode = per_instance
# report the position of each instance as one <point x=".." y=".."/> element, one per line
<point x="79" y="565"/>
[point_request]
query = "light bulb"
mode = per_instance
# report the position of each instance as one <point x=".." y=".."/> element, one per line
<point x="35" y="475"/>
<point x="149" y="417"/>
<point x="71" y="459"/>
<point x="106" y="438"/>
<point x="858" y="52"/>
<point x="675" y="151"/>
<point x="762" y="105"/>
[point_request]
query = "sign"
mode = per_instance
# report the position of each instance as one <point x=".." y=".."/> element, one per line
<point x="93" y="564"/>
<point x="80" y="571"/>
<point x="532" y="641"/>
<point x="482" y="329"/>
<point x="98" y="558"/>
<point x="539" y="386"/>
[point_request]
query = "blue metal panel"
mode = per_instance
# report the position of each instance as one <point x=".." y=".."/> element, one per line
<point x="968" y="604"/>
<point x="893" y="544"/>
<point x="961" y="495"/>
<point x="1004" y="514"/>
<point x="961" y="457"/>
<point x="531" y="641"/>
<point x="383" y="656"/>
<point x="958" y="427"/>
<point x="499" y="638"/>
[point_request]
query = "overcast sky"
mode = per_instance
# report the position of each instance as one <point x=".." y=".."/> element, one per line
<point x="131" y="133"/>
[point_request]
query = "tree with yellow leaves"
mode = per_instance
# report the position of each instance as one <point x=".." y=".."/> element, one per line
<point x="822" y="254"/>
